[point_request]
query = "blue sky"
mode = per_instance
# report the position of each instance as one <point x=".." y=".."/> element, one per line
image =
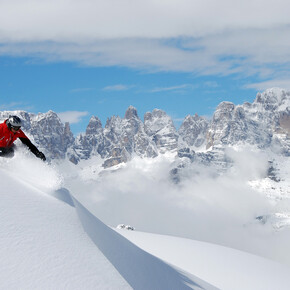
<point x="84" y="58"/>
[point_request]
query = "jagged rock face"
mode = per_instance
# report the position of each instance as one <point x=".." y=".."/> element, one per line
<point x="118" y="156"/>
<point x="193" y="131"/>
<point x="136" y="137"/>
<point x="94" y="127"/>
<point x="128" y="134"/>
<point x="159" y="126"/>
<point x="284" y="123"/>
<point x="273" y="99"/>
<point x="272" y="108"/>
<point x="89" y="144"/>
<point x="113" y="131"/>
<point x="117" y="142"/>
<point x="46" y="131"/>
<point x="131" y="126"/>
<point x="131" y="113"/>
<point x="232" y="125"/>
<point x="263" y="123"/>
<point x="51" y="134"/>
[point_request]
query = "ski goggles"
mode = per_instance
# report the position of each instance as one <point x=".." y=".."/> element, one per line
<point x="16" y="128"/>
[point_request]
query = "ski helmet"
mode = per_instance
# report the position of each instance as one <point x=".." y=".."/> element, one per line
<point x="14" y="122"/>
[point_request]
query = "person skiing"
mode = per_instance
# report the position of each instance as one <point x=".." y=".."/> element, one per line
<point x="9" y="132"/>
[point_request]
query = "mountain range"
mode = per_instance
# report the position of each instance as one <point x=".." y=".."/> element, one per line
<point x="265" y="123"/>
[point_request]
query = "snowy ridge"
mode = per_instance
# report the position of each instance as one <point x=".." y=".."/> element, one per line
<point x="139" y="268"/>
<point x="221" y="266"/>
<point x="43" y="246"/>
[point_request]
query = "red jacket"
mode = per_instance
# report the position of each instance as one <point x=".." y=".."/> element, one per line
<point x="7" y="137"/>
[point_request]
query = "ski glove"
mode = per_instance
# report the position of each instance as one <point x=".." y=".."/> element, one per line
<point x="40" y="155"/>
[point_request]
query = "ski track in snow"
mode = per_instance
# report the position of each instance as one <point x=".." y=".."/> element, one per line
<point x="43" y="245"/>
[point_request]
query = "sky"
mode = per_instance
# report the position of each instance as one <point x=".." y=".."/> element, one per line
<point x="85" y="58"/>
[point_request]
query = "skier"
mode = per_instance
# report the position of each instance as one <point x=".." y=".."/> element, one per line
<point x="9" y="132"/>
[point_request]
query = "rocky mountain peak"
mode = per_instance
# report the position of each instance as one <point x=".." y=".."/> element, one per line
<point x="157" y="113"/>
<point x="51" y="134"/>
<point x="114" y="121"/>
<point x="159" y="126"/>
<point x="94" y="126"/>
<point x="224" y="111"/>
<point x="261" y="123"/>
<point x="271" y="99"/>
<point x="193" y="130"/>
<point x="131" y="113"/>
<point x="156" y="121"/>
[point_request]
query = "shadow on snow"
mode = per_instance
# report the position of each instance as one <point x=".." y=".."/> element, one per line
<point x="140" y="269"/>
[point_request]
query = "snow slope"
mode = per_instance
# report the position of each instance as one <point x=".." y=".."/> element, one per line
<point x="48" y="240"/>
<point x="43" y="245"/>
<point x="223" y="267"/>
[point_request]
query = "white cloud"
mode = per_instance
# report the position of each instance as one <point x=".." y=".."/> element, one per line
<point x="205" y="205"/>
<point x="117" y="88"/>
<point x="173" y="88"/>
<point x="16" y="106"/>
<point x="32" y="20"/>
<point x="72" y="117"/>
<point x="281" y="83"/>
<point x="204" y="37"/>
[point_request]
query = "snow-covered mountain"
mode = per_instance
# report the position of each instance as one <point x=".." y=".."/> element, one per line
<point x="265" y="123"/>
<point x="193" y="131"/>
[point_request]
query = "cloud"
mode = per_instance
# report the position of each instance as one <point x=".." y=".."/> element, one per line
<point x="33" y="20"/>
<point x="72" y="117"/>
<point x="117" y="88"/>
<point x="173" y="88"/>
<point x="281" y="83"/>
<point x="205" y="205"/>
<point x="208" y="38"/>
<point x="16" y="106"/>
